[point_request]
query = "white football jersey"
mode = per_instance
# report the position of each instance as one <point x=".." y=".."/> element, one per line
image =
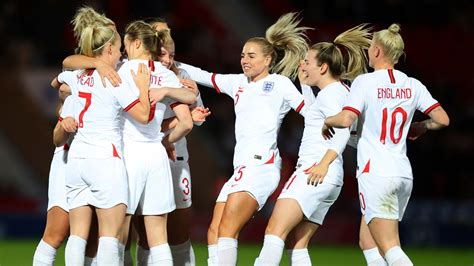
<point x="329" y="101"/>
<point x="159" y="77"/>
<point x="388" y="99"/>
<point x="259" y="110"/>
<point x="98" y="134"/>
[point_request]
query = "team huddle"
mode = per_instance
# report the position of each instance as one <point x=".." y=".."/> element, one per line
<point x="121" y="161"/>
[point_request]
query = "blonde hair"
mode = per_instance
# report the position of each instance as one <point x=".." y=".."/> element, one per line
<point x="86" y="16"/>
<point x="165" y="36"/>
<point x="94" y="38"/>
<point x="391" y="42"/>
<point x="355" y="41"/>
<point x="284" y="36"/>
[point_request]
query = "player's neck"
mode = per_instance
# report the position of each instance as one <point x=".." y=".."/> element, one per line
<point x="259" y="76"/>
<point x="325" y="82"/>
<point x="383" y="65"/>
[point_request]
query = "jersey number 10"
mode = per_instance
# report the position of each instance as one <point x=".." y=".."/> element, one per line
<point x="383" y="134"/>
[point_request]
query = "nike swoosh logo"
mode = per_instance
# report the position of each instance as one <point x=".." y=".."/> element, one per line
<point x="186" y="199"/>
<point x="234" y="185"/>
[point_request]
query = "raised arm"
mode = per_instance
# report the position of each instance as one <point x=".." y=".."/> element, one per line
<point x="85" y="62"/>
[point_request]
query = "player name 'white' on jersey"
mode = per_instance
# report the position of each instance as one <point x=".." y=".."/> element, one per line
<point x="259" y="110"/>
<point x="388" y="99"/>
<point x="98" y="134"/>
<point x="159" y="77"/>
<point x="329" y="101"/>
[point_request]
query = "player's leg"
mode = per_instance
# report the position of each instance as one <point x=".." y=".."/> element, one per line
<point x="56" y="230"/>
<point x="212" y="233"/>
<point x="238" y="210"/>
<point x="79" y="220"/>
<point x="369" y="247"/>
<point x="160" y="252"/>
<point x="393" y="192"/>
<point x="92" y="242"/>
<point x="143" y="250"/>
<point x="285" y="216"/>
<point x="297" y="243"/>
<point x="110" y="225"/>
<point x="179" y="240"/>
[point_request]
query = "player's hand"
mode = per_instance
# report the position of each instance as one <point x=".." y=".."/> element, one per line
<point x="157" y="95"/>
<point x="328" y="132"/>
<point x="107" y="72"/>
<point x="199" y="114"/>
<point x="170" y="149"/>
<point x="416" y="130"/>
<point x="142" y="77"/>
<point x="190" y="85"/>
<point x="301" y="75"/>
<point x="316" y="174"/>
<point x="69" y="124"/>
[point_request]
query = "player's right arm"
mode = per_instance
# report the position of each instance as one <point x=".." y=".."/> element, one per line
<point x="85" y="62"/>
<point x="140" y="109"/>
<point x="221" y="83"/>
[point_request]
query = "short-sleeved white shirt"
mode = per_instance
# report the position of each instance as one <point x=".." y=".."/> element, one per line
<point x="98" y="134"/>
<point x="160" y="77"/>
<point x="329" y="101"/>
<point x="388" y="99"/>
<point x="259" y="110"/>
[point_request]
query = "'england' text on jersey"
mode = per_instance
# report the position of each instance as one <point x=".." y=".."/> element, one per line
<point x="392" y="93"/>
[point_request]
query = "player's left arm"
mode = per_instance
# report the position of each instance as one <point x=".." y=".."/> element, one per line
<point x="84" y="62"/>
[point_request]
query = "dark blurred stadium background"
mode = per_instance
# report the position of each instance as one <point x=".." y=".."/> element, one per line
<point x="209" y="33"/>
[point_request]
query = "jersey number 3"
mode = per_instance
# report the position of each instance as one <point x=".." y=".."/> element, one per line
<point x="383" y="134"/>
<point x="88" y="97"/>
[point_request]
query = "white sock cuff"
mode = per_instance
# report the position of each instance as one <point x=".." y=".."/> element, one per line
<point x="298" y="253"/>
<point x="226" y="243"/>
<point x="275" y="240"/>
<point x="394" y="254"/>
<point x="160" y="249"/>
<point x="79" y="240"/>
<point x="46" y="248"/>
<point x="372" y="254"/>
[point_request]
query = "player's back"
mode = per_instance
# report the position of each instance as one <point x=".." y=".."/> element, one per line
<point x="98" y="134"/>
<point x="159" y="77"/>
<point x="390" y="99"/>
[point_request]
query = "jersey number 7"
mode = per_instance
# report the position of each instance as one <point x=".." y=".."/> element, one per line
<point x="88" y="97"/>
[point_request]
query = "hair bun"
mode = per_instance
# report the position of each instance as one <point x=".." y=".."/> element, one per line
<point x="394" y="28"/>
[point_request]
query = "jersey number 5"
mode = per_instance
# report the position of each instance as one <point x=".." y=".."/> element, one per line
<point x="383" y="134"/>
<point x="88" y="97"/>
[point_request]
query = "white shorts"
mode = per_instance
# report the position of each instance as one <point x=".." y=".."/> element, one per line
<point x="383" y="197"/>
<point x="181" y="184"/>
<point x="57" y="181"/>
<point x="101" y="183"/>
<point x="314" y="201"/>
<point x="149" y="178"/>
<point x="260" y="181"/>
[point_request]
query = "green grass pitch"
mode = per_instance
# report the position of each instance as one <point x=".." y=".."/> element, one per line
<point x="20" y="252"/>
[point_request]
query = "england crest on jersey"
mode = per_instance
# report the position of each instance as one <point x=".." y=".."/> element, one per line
<point x="267" y="86"/>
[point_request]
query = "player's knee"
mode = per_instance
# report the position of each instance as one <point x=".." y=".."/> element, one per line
<point x="56" y="236"/>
